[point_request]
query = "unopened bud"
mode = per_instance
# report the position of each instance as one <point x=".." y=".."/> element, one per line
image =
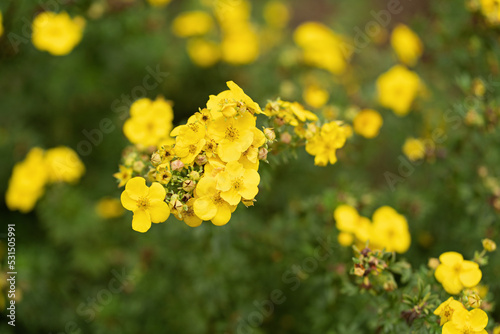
<point x="175" y="203"/>
<point x="177" y="165"/>
<point x="263" y="153"/>
<point x="138" y="166"/>
<point x="188" y="185"/>
<point x="156" y="159"/>
<point x="433" y="263"/>
<point x="201" y="159"/>
<point x="489" y="245"/>
<point x="185" y="198"/>
<point x="269" y="133"/>
<point x="194" y="175"/>
<point x="286" y="138"/>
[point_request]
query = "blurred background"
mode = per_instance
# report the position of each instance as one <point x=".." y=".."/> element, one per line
<point x="276" y="267"/>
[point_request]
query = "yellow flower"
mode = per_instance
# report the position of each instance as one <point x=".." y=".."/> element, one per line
<point x="397" y="88"/>
<point x="209" y="205"/>
<point x="496" y="330"/>
<point x="63" y="165"/>
<point x="147" y="203"/>
<point x="109" y="208"/>
<point x="414" y="149"/>
<point x="406" y="44"/>
<point x="315" y="96"/>
<point x="231" y="102"/>
<point x="467" y="322"/>
<point x="233" y="135"/>
<point x="123" y="175"/>
<point x="159" y="3"/>
<point x="57" y="33"/>
<point x="324" y="144"/>
<point x="202" y="52"/>
<point x="348" y="220"/>
<point x="240" y="46"/>
<point x="252" y="153"/>
<point x="455" y="273"/>
<point x="26" y="185"/>
<point x="187" y="214"/>
<point x="390" y="230"/>
<point x="150" y="122"/>
<point x="321" y="47"/>
<point x="276" y="14"/>
<point x="345" y="239"/>
<point x="491" y="10"/>
<point x="194" y="23"/>
<point x="367" y="123"/>
<point x="236" y="182"/>
<point x="446" y="309"/>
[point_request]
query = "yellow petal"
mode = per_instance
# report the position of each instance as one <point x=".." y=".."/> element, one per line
<point x="231" y="196"/>
<point x="204" y="208"/>
<point x="223" y="181"/>
<point x="223" y="215"/>
<point x="470" y="275"/>
<point x="206" y="186"/>
<point x="127" y="202"/>
<point x="460" y="317"/>
<point x="136" y="187"/>
<point x="192" y="221"/>
<point x="229" y="151"/>
<point x="451" y="258"/>
<point x="157" y="192"/>
<point x="450" y="328"/>
<point x="478" y="319"/>
<point x="158" y="211"/>
<point x="452" y="285"/>
<point x="141" y="222"/>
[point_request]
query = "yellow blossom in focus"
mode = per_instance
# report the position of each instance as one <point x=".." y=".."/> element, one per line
<point x="367" y="123"/>
<point x="491" y="10"/>
<point x="455" y="273"/>
<point x="321" y="47"/>
<point x="446" y="309"/>
<point x="397" y="88"/>
<point x="466" y="322"/>
<point x="27" y="182"/>
<point x="276" y="14"/>
<point x="57" y="33"/>
<point x="63" y="165"/>
<point x="237" y="183"/>
<point x="194" y="23"/>
<point x="159" y="3"/>
<point x="414" y="149"/>
<point x="202" y="52"/>
<point x="325" y="143"/>
<point x="147" y="203"/>
<point x="109" y="208"/>
<point x="315" y="96"/>
<point x="123" y="175"/>
<point x="230" y="102"/>
<point x="150" y="122"/>
<point x="406" y="44"/>
<point x="390" y="230"/>
<point x="209" y="205"/>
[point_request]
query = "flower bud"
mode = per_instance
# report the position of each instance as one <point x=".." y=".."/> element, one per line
<point x="188" y="185"/>
<point x="194" y="175"/>
<point x="175" y="203"/>
<point x="474" y="300"/>
<point x="177" y="165"/>
<point x="489" y="245"/>
<point x="156" y="159"/>
<point x="286" y="138"/>
<point x="138" y="166"/>
<point x="248" y="202"/>
<point x="269" y="133"/>
<point x="433" y="263"/>
<point x="185" y="198"/>
<point x="201" y="159"/>
<point x="263" y="153"/>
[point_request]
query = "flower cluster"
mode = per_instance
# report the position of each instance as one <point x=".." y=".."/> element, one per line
<point x="455" y="318"/>
<point x="56" y="33"/>
<point x="29" y="177"/>
<point x="388" y="229"/>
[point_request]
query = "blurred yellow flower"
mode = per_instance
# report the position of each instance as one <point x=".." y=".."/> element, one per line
<point x="446" y="309"/>
<point x="276" y="14"/>
<point x="367" y="123"/>
<point x="390" y="230"/>
<point x="455" y="273"/>
<point x="491" y="10"/>
<point x="147" y="203"/>
<point x="108" y="207"/>
<point x="202" y="52"/>
<point x="159" y="3"/>
<point x="324" y="144"/>
<point x="57" y="33"/>
<point x="321" y="47"/>
<point x="345" y="239"/>
<point x="467" y="322"/>
<point x="194" y="23"/>
<point x="406" y="44"/>
<point x="348" y="220"/>
<point x="414" y="149"/>
<point x="150" y="122"/>
<point x="315" y="96"/>
<point x="27" y="182"/>
<point x="63" y="165"/>
<point x="209" y="205"/>
<point x="397" y="88"/>
<point x="240" y="46"/>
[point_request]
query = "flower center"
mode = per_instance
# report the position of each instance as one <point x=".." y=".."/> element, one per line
<point x="218" y="200"/>
<point x="143" y="203"/>
<point x="194" y="127"/>
<point x="192" y="149"/>
<point x="237" y="183"/>
<point x="232" y="133"/>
